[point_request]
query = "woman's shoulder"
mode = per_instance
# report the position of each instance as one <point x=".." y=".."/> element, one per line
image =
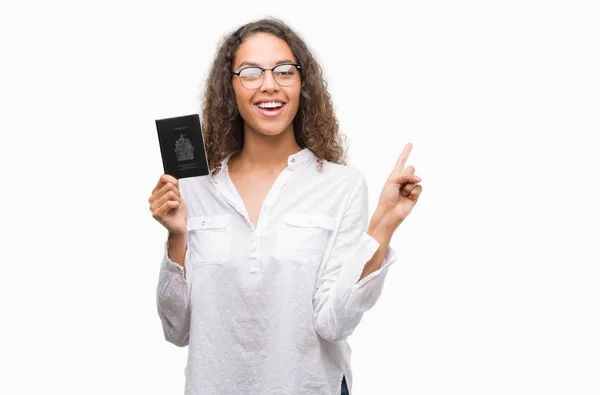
<point x="348" y="174"/>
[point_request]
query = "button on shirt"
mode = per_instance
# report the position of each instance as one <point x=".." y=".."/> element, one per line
<point x="268" y="309"/>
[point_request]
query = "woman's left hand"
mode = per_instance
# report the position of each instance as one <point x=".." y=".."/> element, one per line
<point x="399" y="195"/>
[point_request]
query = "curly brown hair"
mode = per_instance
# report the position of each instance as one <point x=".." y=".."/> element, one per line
<point x="315" y="125"/>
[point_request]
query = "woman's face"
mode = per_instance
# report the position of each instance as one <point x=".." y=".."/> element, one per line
<point x="266" y="50"/>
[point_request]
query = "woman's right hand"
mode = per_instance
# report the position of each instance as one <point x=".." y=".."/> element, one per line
<point x="167" y="205"/>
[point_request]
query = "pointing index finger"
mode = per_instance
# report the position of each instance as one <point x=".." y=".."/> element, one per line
<point x="399" y="168"/>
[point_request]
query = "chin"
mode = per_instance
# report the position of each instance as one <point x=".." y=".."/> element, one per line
<point x="271" y="130"/>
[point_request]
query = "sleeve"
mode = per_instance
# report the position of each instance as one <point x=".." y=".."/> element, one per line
<point x="173" y="299"/>
<point x="339" y="302"/>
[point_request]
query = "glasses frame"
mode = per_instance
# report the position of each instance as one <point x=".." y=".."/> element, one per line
<point x="264" y="69"/>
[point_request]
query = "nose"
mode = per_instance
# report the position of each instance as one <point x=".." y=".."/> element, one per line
<point x="269" y="84"/>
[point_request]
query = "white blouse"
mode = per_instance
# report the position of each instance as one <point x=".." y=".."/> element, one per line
<point x="268" y="310"/>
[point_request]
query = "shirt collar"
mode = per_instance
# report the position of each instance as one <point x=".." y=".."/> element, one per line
<point x="295" y="161"/>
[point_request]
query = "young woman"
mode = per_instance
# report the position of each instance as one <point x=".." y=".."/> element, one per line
<point x="270" y="260"/>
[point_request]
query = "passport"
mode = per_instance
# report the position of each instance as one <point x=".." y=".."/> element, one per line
<point x="182" y="146"/>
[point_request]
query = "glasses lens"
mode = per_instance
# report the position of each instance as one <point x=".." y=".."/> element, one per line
<point x="285" y="74"/>
<point x="251" y="77"/>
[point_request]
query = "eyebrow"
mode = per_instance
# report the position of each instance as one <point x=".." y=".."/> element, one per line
<point x="256" y="64"/>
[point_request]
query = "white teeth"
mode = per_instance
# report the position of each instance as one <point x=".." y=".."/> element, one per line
<point x="271" y="104"/>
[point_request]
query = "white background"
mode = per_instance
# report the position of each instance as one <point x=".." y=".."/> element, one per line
<point x="496" y="290"/>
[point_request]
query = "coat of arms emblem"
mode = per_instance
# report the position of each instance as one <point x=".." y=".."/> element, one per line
<point x="184" y="148"/>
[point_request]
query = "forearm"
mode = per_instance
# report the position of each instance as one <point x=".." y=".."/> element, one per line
<point x="177" y="249"/>
<point x="383" y="235"/>
<point x="340" y="308"/>
<point x="173" y="299"/>
<point x="173" y="305"/>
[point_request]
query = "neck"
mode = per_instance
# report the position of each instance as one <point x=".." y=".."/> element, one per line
<point x="264" y="153"/>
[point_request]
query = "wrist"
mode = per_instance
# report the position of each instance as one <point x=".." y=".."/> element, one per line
<point x="375" y="219"/>
<point x="177" y="248"/>
<point x="382" y="234"/>
<point x="177" y="236"/>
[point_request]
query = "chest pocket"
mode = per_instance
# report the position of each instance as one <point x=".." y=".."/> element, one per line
<point x="209" y="238"/>
<point x="303" y="237"/>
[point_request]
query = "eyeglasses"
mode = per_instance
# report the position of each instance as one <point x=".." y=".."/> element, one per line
<point x="284" y="74"/>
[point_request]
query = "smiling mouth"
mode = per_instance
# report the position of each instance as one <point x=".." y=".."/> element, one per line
<point x="270" y="110"/>
<point x="270" y="105"/>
